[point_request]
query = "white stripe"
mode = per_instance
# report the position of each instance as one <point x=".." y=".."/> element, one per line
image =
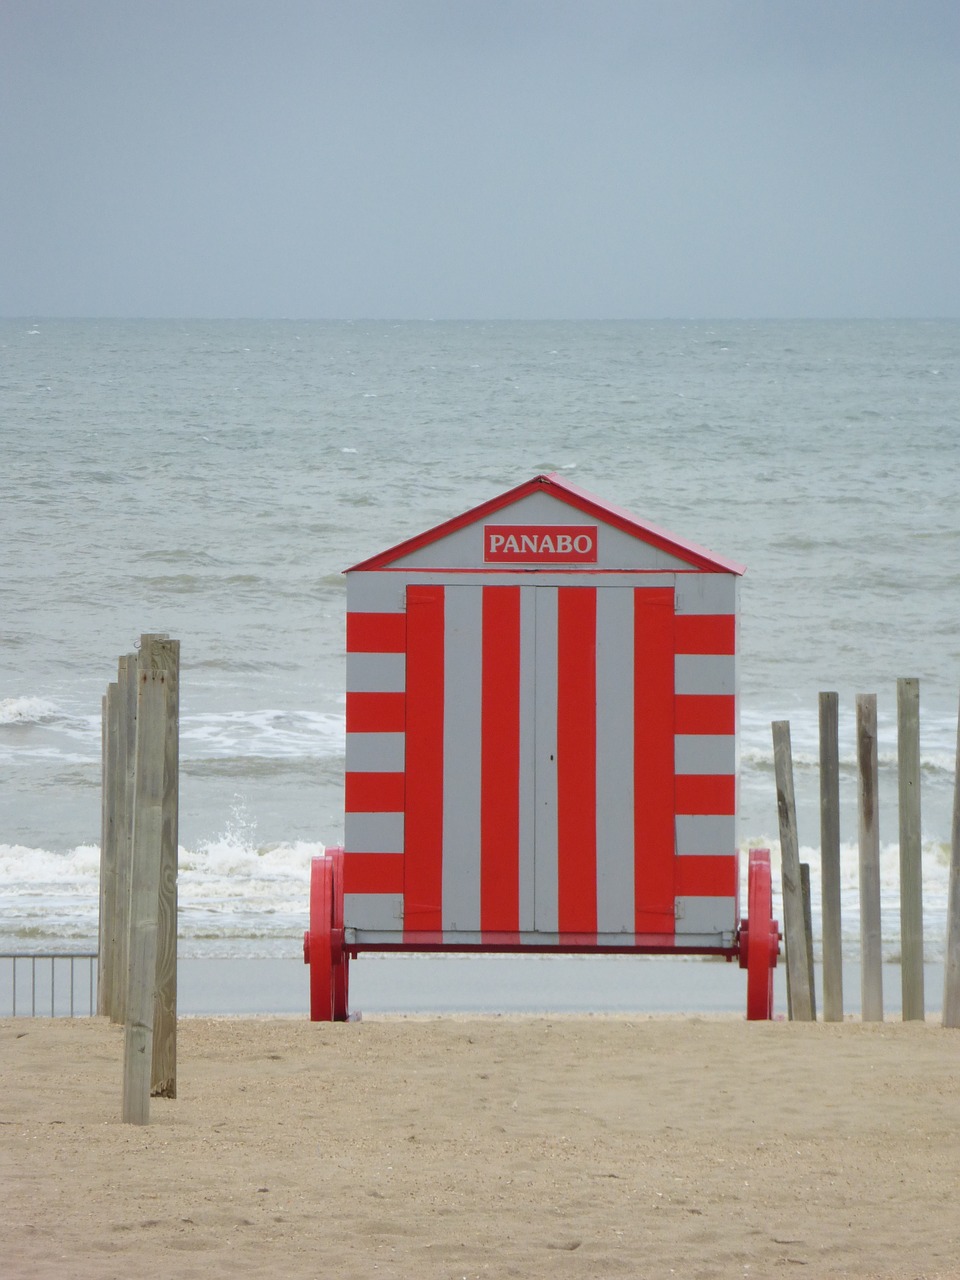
<point x="547" y="907"/>
<point x="710" y="834"/>
<point x="376" y="593"/>
<point x="373" y="832"/>
<point x="527" y="751"/>
<point x="614" y="762"/>
<point x="376" y="672"/>
<point x="707" y="917"/>
<point x="379" y="911"/>
<point x="705" y="753"/>
<point x="462" y="712"/>
<point x="375" y="752"/>
<point x="710" y="673"/>
<point x="707" y="593"/>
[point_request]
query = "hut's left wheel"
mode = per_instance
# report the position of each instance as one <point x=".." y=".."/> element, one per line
<point x="340" y="955"/>
<point x="323" y="947"/>
<point x="759" y="938"/>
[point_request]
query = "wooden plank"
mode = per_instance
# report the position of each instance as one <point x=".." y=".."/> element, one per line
<point x="798" y="965"/>
<point x="871" y="950"/>
<point x="159" y="653"/>
<point x="951" y="968"/>
<point x="107" y="956"/>
<point x="808" y="933"/>
<point x="144" y="896"/>
<point x="126" y="771"/>
<point x="911" y="874"/>
<point x="830" y="857"/>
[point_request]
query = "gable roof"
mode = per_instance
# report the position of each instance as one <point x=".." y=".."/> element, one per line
<point x="695" y="556"/>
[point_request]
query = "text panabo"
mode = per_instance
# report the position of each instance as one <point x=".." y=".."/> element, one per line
<point x="540" y="543"/>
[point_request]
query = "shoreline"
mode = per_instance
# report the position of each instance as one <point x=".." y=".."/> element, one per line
<point x="455" y="984"/>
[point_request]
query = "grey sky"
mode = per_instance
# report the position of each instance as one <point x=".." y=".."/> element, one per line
<point x="480" y="158"/>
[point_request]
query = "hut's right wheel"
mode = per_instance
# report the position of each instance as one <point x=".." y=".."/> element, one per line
<point x="762" y="938"/>
<point x="318" y="941"/>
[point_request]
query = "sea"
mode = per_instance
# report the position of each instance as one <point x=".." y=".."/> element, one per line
<point x="213" y="479"/>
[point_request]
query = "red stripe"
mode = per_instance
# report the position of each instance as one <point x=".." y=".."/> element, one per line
<point x="373" y="873"/>
<point x="706" y="713"/>
<point x="706" y="794"/>
<point x="653" y="781"/>
<point x="576" y="759"/>
<point x="423" y="828"/>
<point x="373" y="792"/>
<point x="376" y="632"/>
<point x="500" y="762"/>
<point x="375" y="712"/>
<point x="707" y="877"/>
<point x="706" y="633"/>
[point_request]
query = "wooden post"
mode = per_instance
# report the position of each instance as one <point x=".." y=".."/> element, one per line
<point x="798" y="965"/>
<point x="871" y="949"/>
<point x="911" y="873"/>
<point x="107" y="955"/>
<point x="126" y="770"/>
<point x="830" y="858"/>
<point x="159" y="653"/>
<point x="144" y="896"/>
<point x="951" y="968"/>
<point x="808" y="934"/>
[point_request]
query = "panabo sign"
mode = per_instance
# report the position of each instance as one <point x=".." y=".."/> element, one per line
<point x="540" y="543"/>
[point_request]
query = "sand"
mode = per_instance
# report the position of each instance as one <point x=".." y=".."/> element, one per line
<point x="489" y="1147"/>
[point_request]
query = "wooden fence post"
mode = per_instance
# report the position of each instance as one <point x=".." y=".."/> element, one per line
<point x="107" y="958"/>
<point x="798" y="965"/>
<point x="126" y="770"/>
<point x="830" y="858"/>
<point x="808" y="934"/>
<point x="871" y="948"/>
<point x="951" y="968"/>
<point x="911" y="871"/>
<point x="159" y="653"/>
<point x="144" y="896"/>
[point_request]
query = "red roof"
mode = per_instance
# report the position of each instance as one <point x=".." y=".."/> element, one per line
<point x="696" y="556"/>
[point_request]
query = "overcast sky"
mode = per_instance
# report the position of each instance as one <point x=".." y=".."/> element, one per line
<point x="480" y="158"/>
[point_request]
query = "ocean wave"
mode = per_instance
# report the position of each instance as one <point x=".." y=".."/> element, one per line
<point x="266" y="733"/>
<point x="935" y="764"/>
<point x="28" y="711"/>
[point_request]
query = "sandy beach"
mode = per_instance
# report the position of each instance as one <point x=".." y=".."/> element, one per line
<point x="499" y="1146"/>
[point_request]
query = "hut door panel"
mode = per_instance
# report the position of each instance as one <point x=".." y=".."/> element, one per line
<point x="539" y="762"/>
<point x="604" y="799"/>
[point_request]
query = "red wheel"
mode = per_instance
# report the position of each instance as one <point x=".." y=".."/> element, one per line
<point x="339" y="956"/>
<point x="317" y="941"/>
<point x="760" y="938"/>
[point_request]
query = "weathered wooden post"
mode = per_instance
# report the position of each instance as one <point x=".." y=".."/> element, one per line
<point x="798" y="964"/>
<point x="107" y="961"/>
<point x="951" y="968"/>
<point x="911" y="872"/>
<point x="830" y="858"/>
<point x="871" y="948"/>
<point x="123" y="823"/>
<point x="144" y="895"/>
<point x="808" y="934"/>
<point x="160" y="653"/>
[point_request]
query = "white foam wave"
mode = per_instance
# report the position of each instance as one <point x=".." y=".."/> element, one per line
<point x="236" y="890"/>
<point x="269" y="733"/>
<point x="28" y="711"/>
<point x="935" y="764"/>
<point x="228" y="887"/>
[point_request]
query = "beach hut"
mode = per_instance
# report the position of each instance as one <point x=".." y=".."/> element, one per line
<point x="541" y="748"/>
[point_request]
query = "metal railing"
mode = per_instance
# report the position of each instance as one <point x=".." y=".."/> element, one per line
<point x="65" y="1003"/>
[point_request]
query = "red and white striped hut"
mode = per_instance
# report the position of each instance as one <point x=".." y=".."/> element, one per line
<point x="541" y="740"/>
